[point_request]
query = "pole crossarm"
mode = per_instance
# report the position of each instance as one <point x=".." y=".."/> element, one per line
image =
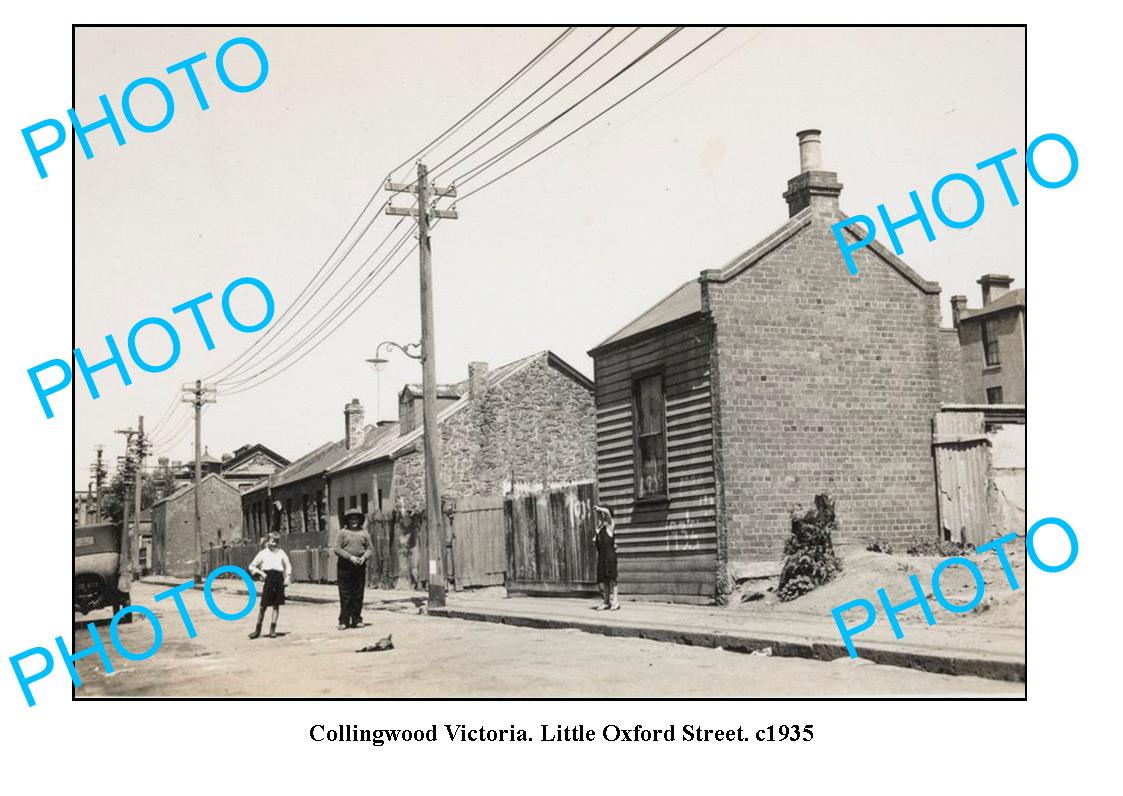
<point x="412" y="187"/>
<point x="415" y="212"/>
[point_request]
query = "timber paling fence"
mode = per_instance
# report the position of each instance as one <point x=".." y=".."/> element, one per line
<point x="533" y="542"/>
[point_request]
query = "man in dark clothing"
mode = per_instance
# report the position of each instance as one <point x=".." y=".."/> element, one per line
<point x="353" y="547"/>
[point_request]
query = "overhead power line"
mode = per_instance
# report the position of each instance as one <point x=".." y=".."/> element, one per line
<point x="350" y="299"/>
<point x="229" y="377"/>
<point x="581" y="127"/>
<point x="521" y="102"/>
<point x="486" y="101"/>
<point x="342" y="321"/>
<point x="476" y="170"/>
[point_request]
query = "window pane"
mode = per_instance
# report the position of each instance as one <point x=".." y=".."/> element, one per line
<point x="994" y="395"/>
<point x="649" y="401"/>
<point x="990" y="343"/>
<point x="651" y="468"/>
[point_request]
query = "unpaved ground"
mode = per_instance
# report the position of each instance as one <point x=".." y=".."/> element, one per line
<point x="863" y="573"/>
<point x="453" y="658"/>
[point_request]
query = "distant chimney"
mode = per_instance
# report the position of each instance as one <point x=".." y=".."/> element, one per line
<point x="354" y="430"/>
<point x="958" y="304"/>
<point x="407" y="412"/>
<point x="813" y="187"/>
<point x="477" y="380"/>
<point x="994" y="286"/>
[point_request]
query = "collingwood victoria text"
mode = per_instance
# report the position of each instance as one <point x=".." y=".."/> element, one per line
<point x="571" y="733"/>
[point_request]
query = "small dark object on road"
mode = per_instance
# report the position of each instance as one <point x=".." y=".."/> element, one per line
<point x="752" y="596"/>
<point x="381" y="645"/>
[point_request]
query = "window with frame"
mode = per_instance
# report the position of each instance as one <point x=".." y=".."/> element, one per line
<point x="990" y="343"/>
<point x="650" y="436"/>
<point x="994" y="395"/>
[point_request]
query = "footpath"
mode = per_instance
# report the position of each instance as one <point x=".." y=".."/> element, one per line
<point x="949" y="647"/>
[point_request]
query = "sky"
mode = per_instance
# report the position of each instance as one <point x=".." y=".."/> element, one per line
<point x="680" y="177"/>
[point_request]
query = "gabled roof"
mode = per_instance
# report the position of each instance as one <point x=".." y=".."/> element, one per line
<point x="249" y="451"/>
<point x="686" y="300"/>
<point x="395" y="445"/>
<point x="443" y="391"/>
<point x="187" y="488"/>
<point x="1015" y="298"/>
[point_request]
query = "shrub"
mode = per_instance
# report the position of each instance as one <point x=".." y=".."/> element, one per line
<point x="880" y="546"/>
<point x="810" y="560"/>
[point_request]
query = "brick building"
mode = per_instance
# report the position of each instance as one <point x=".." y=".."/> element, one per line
<point x="992" y="343"/>
<point x="758" y="385"/>
<point x="296" y="498"/>
<point x="527" y="424"/>
<point x="173" y="524"/>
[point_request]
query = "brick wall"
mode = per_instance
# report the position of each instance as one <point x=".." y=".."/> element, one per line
<point x="826" y="383"/>
<point x="952" y="390"/>
<point x="537" y="426"/>
<point x="174" y="522"/>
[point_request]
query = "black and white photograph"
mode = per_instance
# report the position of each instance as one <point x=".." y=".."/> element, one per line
<point x="571" y="362"/>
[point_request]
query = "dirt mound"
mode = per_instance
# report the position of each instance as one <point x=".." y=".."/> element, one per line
<point x="864" y="572"/>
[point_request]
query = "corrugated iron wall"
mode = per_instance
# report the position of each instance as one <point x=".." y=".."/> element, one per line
<point x="962" y="472"/>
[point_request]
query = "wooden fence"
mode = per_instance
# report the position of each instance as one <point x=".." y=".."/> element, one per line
<point x="550" y="548"/>
<point x="538" y="543"/>
<point x="479" y="556"/>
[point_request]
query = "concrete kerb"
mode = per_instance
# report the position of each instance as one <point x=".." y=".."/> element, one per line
<point x="992" y="669"/>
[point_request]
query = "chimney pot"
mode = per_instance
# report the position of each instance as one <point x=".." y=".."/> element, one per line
<point x="810" y="150"/>
<point x="812" y="187"/>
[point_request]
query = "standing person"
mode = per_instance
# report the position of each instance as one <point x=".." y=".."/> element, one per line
<point x="605" y="539"/>
<point x="272" y="564"/>
<point x="353" y="547"/>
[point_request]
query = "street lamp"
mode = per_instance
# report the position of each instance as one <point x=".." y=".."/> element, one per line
<point x="378" y="363"/>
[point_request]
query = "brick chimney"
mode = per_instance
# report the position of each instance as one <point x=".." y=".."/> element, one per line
<point x="353" y="417"/>
<point x="813" y="187"/>
<point x="958" y="304"/>
<point x="477" y="380"/>
<point x="994" y="286"/>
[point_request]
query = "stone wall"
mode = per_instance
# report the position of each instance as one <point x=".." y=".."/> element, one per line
<point x="537" y="425"/>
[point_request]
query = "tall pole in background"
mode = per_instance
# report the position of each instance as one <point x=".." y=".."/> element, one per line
<point x="141" y="449"/>
<point x="434" y="515"/>
<point x="99" y="481"/>
<point x="123" y="570"/>
<point x="198" y="394"/>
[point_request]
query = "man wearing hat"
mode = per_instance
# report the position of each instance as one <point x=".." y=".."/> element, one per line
<point x="353" y="547"/>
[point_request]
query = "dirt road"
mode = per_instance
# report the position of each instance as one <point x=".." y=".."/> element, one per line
<point x="452" y="658"/>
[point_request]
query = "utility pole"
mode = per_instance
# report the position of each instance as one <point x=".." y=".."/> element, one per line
<point x="141" y="450"/>
<point x="126" y="552"/>
<point x="434" y="516"/>
<point x="198" y="394"/>
<point x="99" y="481"/>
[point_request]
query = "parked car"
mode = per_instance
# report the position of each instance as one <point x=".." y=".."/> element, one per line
<point x="97" y="569"/>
